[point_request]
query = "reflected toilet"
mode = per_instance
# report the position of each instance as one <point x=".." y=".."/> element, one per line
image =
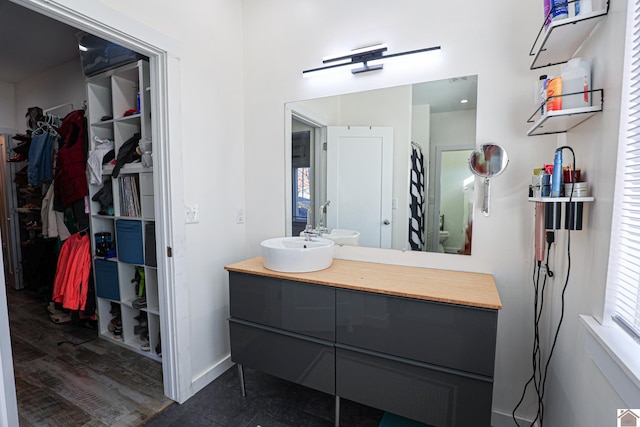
<point x="443" y="236"/>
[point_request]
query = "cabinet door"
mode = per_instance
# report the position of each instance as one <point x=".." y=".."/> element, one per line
<point x="291" y="306"/>
<point x="437" y="397"/>
<point x="293" y="357"/>
<point x="449" y="335"/>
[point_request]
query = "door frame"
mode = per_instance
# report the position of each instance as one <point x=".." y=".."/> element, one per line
<point x="164" y="60"/>
<point x="435" y="220"/>
<point x="318" y="165"/>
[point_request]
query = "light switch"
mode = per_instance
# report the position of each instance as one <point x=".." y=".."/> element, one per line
<point x="192" y="215"/>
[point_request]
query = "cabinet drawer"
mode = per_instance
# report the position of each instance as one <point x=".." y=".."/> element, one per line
<point x="295" y="358"/>
<point x="292" y="306"/>
<point x="433" y="396"/>
<point x="448" y="335"/>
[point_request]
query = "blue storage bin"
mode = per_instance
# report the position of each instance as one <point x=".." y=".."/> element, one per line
<point x="129" y="241"/>
<point x="106" y="273"/>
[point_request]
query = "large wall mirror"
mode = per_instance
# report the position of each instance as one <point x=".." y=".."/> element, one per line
<point x="385" y="168"/>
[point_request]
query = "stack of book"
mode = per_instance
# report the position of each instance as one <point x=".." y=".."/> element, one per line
<point x="129" y="196"/>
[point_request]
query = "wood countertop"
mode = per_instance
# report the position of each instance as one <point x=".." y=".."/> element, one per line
<point x="455" y="287"/>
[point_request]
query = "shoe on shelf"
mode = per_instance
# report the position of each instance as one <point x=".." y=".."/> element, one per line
<point x="145" y="346"/>
<point x="31" y="206"/>
<point x="28" y="190"/>
<point x="115" y="322"/>
<point x="115" y="308"/>
<point x="140" y="330"/>
<point x="139" y="303"/>
<point x="117" y="332"/>
<point x="21" y="137"/>
<point x="18" y="157"/>
<point x="142" y="317"/>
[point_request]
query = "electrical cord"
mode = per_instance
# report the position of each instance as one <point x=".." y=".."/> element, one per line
<point x="539" y="375"/>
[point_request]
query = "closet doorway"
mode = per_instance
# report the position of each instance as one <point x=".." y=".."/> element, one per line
<point x="166" y="267"/>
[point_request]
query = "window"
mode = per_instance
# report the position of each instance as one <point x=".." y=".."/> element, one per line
<point x="301" y="175"/>
<point x="301" y="193"/>
<point x="623" y="281"/>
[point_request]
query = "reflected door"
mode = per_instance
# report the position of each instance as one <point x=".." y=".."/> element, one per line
<point x="359" y="181"/>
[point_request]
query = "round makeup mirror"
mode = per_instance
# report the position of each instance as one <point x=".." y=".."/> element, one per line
<point x="487" y="161"/>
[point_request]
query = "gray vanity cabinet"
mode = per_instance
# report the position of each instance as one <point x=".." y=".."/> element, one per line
<point x="284" y="328"/>
<point x="425" y="360"/>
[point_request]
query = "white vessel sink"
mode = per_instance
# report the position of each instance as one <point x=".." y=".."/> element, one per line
<point x="296" y="254"/>
<point x="343" y="237"/>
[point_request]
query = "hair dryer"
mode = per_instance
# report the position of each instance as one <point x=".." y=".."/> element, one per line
<point x="540" y="231"/>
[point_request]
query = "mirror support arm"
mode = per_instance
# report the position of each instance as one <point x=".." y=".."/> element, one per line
<point x="485" y="197"/>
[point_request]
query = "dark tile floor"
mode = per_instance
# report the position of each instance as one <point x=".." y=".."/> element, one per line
<point x="270" y="402"/>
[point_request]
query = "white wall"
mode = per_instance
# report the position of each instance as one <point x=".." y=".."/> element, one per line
<point x="7" y="105"/>
<point x="578" y="393"/>
<point x="54" y="87"/>
<point x="492" y="42"/>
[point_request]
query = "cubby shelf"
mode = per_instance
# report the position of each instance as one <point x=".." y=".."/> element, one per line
<point x="132" y="225"/>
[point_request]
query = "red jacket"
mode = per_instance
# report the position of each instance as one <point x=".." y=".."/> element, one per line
<point x="70" y="175"/>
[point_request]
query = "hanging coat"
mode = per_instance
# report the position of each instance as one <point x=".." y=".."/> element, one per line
<point x="70" y="175"/>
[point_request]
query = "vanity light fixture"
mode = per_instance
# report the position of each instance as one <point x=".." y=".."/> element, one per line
<point x="371" y="58"/>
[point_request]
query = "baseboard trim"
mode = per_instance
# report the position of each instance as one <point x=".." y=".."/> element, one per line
<point x="503" y="419"/>
<point x="205" y="378"/>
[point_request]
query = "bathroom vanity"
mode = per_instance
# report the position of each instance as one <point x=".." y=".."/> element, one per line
<point x="412" y="341"/>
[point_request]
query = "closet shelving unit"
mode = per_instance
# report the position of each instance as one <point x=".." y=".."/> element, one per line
<point x="554" y="45"/>
<point x="109" y="96"/>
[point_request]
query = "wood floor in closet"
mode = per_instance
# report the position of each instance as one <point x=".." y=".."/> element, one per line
<point x="66" y="376"/>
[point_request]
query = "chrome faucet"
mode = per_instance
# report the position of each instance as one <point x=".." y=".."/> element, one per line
<point x="322" y="224"/>
<point x="309" y="231"/>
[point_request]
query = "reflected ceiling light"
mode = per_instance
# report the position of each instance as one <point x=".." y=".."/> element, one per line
<point x="464" y="101"/>
<point x="370" y="57"/>
<point x="82" y="48"/>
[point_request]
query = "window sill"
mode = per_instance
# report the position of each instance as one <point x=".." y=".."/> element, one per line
<point x="616" y="355"/>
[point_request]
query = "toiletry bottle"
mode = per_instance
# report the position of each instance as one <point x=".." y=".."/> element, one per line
<point x="542" y="93"/>
<point x="547" y="9"/>
<point x="554" y="94"/>
<point x="556" y="179"/>
<point x="559" y="9"/>
<point x="583" y="7"/>
<point x="576" y="78"/>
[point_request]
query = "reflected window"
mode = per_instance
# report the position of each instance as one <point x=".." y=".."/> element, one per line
<point x="301" y="177"/>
